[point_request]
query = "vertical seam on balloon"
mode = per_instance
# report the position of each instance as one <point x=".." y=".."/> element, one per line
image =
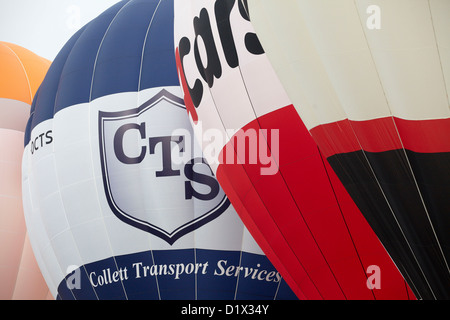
<point x="100" y="46"/>
<point x="56" y="96"/>
<point x="295" y="202"/>
<point x="138" y="93"/>
<point x="345" y="221"/>
<point x="195" y="274"/>
<point x="194" y="248"/>
<point x="240" y="261"/>
<point x="143" y="46"/>
<point x="293" y="198"/>
<point x="68" y="225"/>
<point x="23" y="68"/>
<point x="90" y="140"/>
<point x="266" y="206"/>
<point x="367" y="159"/>
<point x="229" y="139"/>
<point x="448" y="103"/>
<point x="156" y="276"/>
<point x="406" y="157"/>
<point x="52" y="154"/>
<point x="406" y="289"/>
<point x="226" y="133"/>
<point x="290" y="192"/>
<point x="439" y="55"/>
<point x="221" y="120"/>
<point x="27" y="222"/>
<point x="194" y="233"/>
<point x="276" y="291"/>
<point x="36" y="211"/>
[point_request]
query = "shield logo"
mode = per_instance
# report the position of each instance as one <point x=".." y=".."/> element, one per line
<point x="156" y="180"/>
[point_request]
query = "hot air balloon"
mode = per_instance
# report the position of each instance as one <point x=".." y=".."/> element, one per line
<point x="370" y="80"/>
<point x="268" y="164"/>
<point x="21" y="73"/>
<point x="119" y="201"/>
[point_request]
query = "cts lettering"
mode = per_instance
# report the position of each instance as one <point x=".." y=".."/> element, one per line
<point x="41" y="140"/>
<point x="167" y="169"/>
<point x="203" y="30"/>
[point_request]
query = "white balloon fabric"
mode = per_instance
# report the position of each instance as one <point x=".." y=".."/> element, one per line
<point x="119" y="201"/>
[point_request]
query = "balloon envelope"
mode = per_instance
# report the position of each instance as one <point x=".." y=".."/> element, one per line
<point x="268" y="164"/>
<point x="21" y="73"/>
<point x="370" y="79"/>
<point x="119" y="201"/>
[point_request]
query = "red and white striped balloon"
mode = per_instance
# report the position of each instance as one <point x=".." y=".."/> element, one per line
<point x="267" y="162"/>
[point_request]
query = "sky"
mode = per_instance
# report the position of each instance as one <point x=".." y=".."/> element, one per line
<point x="44" y="26"/>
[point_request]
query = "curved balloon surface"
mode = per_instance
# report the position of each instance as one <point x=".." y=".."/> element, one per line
<point x="120" y="203"/>
<point x="268" y="164"/>
<point x="371" y="81"/>
<point x="21" y="73"/>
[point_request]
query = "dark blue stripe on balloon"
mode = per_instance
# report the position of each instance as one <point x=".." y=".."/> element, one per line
<point x="142" y="287"/>
<point x="159" y="67"/>
<point x="44" y="100"/>
<point x="76" y="76"/>
<point x="185" y="274"/>
<point x="119" y="60"/>
<point x="256" y="279"/>
<point x="138" y="44"/>
<point x="172" y="287"/>
<point x="218" y="286"/>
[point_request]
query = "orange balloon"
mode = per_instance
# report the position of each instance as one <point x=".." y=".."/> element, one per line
<point x="21" y="73"/>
